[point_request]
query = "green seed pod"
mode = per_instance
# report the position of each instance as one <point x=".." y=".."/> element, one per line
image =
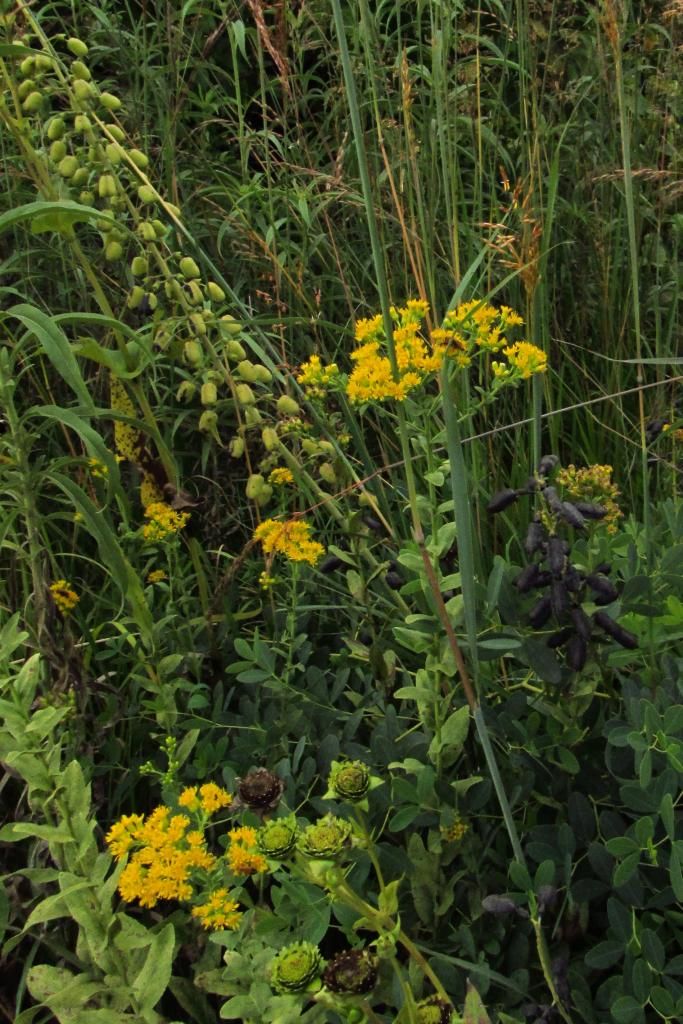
<point x="82" y="123"/>
<point x="68" y="166"/>
<point x="173" y="290"/>
<point x="140" y="159"/>
<point x="310" y="446"/>
<point x="296" y="967"/>
<point x="188" y="268"/>
<point x="199" y="323"/>
<point x="80" y="70"/>
<point x="58" y="150"/>
<point x="327" y="473"/>
<point x="26" y="66"/>
<point x="270" y="439"/>
<point x="113" y="251"/>
<point x="136" y="296"/>
<point x="234" y="350"/>
<point x="263" y="374"/>
<point x="44" y="63"/>
<point x="33" y="102"/>
<point x="160" y="228"/>
<point x="24" y="88"/>
<point x="216" y="293"/>
<point x="80" y="177"/>
<point x="247" y="371"/>
<point x="113" y="153"/>
<point x="55" y="128"/>
<point x="252" y="416"/>
<point x="82" y="90"/>
<point x="105" y="226"/>
<point x="277" y="838"/>
<point x="152" y="301"/>
<point x="286" y="406"/>
<point x="174" y="209"/>
<point x="106" y="186"/>
<point x="139" y="266"/>
<point x="208" y="421"/>
<point x="326" y="839"/>
<point x="327" y="446"/>
<point x="264" y="496"/>
<point x="146" y="194"/>
<point x="86" y="197"/>
<point x="193" y="353"/>
<point x="110" y="102"/>
<point x="77" y="47"/>
<point x="255" y="485"/>
<point x="186" y="391"/>
<point x="236" y="447"/>
<point x="194" y="293"/>
<point x="117" y="133"/>
<point x="229" y="325"/>
<point x="349" y="780"/>
<point x="209" y="393"/>
<point x="146" y="231"/>
<point x="244" y="395"/>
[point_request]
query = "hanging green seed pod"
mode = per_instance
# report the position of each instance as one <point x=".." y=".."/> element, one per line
<point x="117" y="133"/>
<point x="186" y="391"/>
<point x="209" y="393"/>
<point x="247" y="371"/>
<point x="193" y="353"/>
<point x="82" y="124"/>
<point x="110" y="102"/>
<point x="113" y="251"/>
<point x="216" y="293"/>
<point x="83" y="91"/>
<point x="263" y="374"/>
<point x="68" y="166"/>
<point x="26" y="66"/>
<point x="327" y="473"/>
<point x="77" y="47"/>
<point x="33" y="102"/>
<point x="188" y="268"/>
<point x="255" y="485"/>
<point x="236" y="447"/>
<point x="199" y="324"/>
<point x="229" y="325"/>
<point x="286" y="406"/>
<point x="24" y="88"/>
<point x="146" y="194"/>
<point x="86" y="197"/>
<point x="208" y="423"/>
<point x="140" y="159"/>
<point x="55" y="128"/>
<point x="270" y="439"/>
<point x="80" y="177"/>
<point x="106" y="186"/>
<point x="136" y="296"/>
<point x="139" y="266"/>
<point x="234" y="350"/>
<point x="244" y="395"/>
<point x="146" y="232"/>
<point x="194" y="293"/>
<point x="58" y="151"/>
<point x="80" y="70"/>
<point x="252" y="416"/>
<point x="113" y="153"/>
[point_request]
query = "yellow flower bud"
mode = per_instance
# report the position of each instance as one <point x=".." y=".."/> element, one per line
<point x="77" y="47"/>
<point x="286" y="406"/>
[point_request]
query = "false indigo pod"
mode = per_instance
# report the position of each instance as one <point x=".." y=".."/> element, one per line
<point x="571" y="515"/>
<point x="591" y="511"/>
<point x="331" y="564"/>
<point x="501" y="500"/>
<point x="573" y="579"/>
<point x="576" y="653"/>
<point x="536" y="536"/>
<point x="547" y="464"/>
<point x="500" y="905"/>
<point x="553" y="500"/>
<point x="393" y="580"/>
<point x="556" y="556"/>
<point x="560" y="638"/>
<point x="373" y="524"/>
<point x="582" y="624"/>
<point x="527" y="578"/>
<point x="559" y="599"/>
<point x="603" y="587"/>
<point x="605" y="568"/>
<point x="613" y="629"/>
<point x="540" y="613"/>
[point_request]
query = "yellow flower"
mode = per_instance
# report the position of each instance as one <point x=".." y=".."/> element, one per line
<point x="127" y="438"/>
<point x="291" y="538"/>
<point x="593" y="484"/>
<point x="219" y="911"/>
<point x="280" y="476"/>
<point x="526" y="358"/>
<point x="123" y="835"/>
<point x="98" y="469"/>
<point x="156" y="576"/>
<point x="243" y="856"/>
<point x="164" y="522"/>
<point x="213" y="797"/>
<point x="63" y="596"/>
<point x="316" y="378"/>
<point x="188" y="798"/>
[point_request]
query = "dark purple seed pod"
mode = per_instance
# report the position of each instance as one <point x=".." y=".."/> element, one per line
<point x="536" y="536"/>
<point x="556" y="556"/>
<point x="573" y="579"/>
<point x="553" y="499"/>
<point x="543" y="579"/>
<point x="530" y="487"/>
<point x="559" y="599"/>
<point x="540" y="613"/>
<point x="604" y="588"/>
<point x="501" y="500"/>
<point x="498" y="905"/>
<point x="547" y="464"/>
<point x="330" y="564"/>
<point x="394" y="580"/>
<point x="604" y="568"/>
<point x="571" y="515"/>
<point x="591" y="511"/>
<point x="576" y="653"/>
<point x="654" y="429"/>
<point x="582" y="624"/>
<point x="373" y="524"/>
<point x="560" y="638"/>
<point x="613" y="629"/>
<point x="527" y="578"/>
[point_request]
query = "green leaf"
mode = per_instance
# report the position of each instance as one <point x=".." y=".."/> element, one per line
<point x="474" y="1011"/>
<point x="53" y="907"/>
<point x="626" y="1010"/>
<point x="59" y="215"/>
<point x="56" y="346"/>
<point x="626" y="869"/>
<point x="388" y="898"/>
<point x="652" y="949"/>
<point x="153" y="979"/>
<point x="452" y="735"/>
<point x="676" y="874"/>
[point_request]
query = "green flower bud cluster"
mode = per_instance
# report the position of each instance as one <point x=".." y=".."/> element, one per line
<point x="296" y="968"/>
<point x="434" y="1010"/>
<point x="277" y="839"/>
<point x="326" y="839"/>
<point x="349" y="780"/>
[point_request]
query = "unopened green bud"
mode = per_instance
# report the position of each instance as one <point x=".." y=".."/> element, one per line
<point x="263" y="374"/>
<point x="216" y="293"/>
<point x="146" y="231"/>
<point x="68" y="166"/>
<point x="209" y="393"/>
<point x="208" y="421"/>
<point x="247" y="371"/>
<point x="193" y="353"/>
<point x="58" y="150"/>
<point x="349" y="780"/>
<point x="270" y="439"/>
<point x="140" y="159"/>
<point x="146" y="194"/>
<point x="136" y="296"/>
<point x="186" y="391"/>
<point x="80" y="177"/>
<point x="236" y="447"/>
<point x="139" y="266"/>
<point x="255" y="485"/>
<point x="33" y="102"/>
<point x="286" y="406"/>
<point x="296" y="967"/>
<point x="110" y="102"/>
<point x="234" y="350"/>
<point x="113" y="153"/>
<point x="82" y="90"/>
<point x="229" y="325"/>
<point x="326" y="839"/>
<point x="244" y="395"/>
<point x="117" y="133"/>
<point x="277" y="838"/>
<point x="77" y="47"/>
<point x="188" y="268"/>
<point x="55" y="128"/>
<point x="80" y="70"/>
<point x="113" y="251"/>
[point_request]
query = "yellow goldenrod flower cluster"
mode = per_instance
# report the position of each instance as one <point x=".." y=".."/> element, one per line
<point x="63" y="596"/>
<point x="164" y="522"/>
<point x="97" y="469"/>
<point x="593" y="484"/>
<point x="167" y="850"/>
<point x="126" y="437"/>
<point x="372" y="378"/>
<point x="208" y="798"/>
<point x="526" y="358"/>
<point x="219" y="911"/>
<point x="315" y="378"/>
<point x="242" y="855"/>
<point x="291" y="538"/>
<point x="156" y="576"/>
<point x="280" y="476"/>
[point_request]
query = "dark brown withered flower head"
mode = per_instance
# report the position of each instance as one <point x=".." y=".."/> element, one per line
<point x="260" y="790"/>
<point x="351" y="971"/>
<point x="434" y="1010"/>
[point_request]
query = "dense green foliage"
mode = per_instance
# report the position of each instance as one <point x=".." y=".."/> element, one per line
<point x="443" y="701"/>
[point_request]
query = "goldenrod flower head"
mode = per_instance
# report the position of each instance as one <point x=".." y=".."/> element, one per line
<point x="526" y="358"/>
<point x="372" y="379"/>
<point x="218" y="912"/>
<point x="164" y="522"/>
<point x="189" y="799"/>
<point x="455" y="832"/>
<point x="213" y="798"/>
<point x="123" y="834"/>
<point x="98" y="469"/>
<point x="242" y="854"/>
<point x="291" y="538"/>
<point x="64" y="596"/>
<point x="150" y="492"/>
<point x="315" y="378"/>
<point x="593" y="484"/>
<point x="280" y="476"/>
<point x="127" y="438"/>
<point x="156" y="576"/>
